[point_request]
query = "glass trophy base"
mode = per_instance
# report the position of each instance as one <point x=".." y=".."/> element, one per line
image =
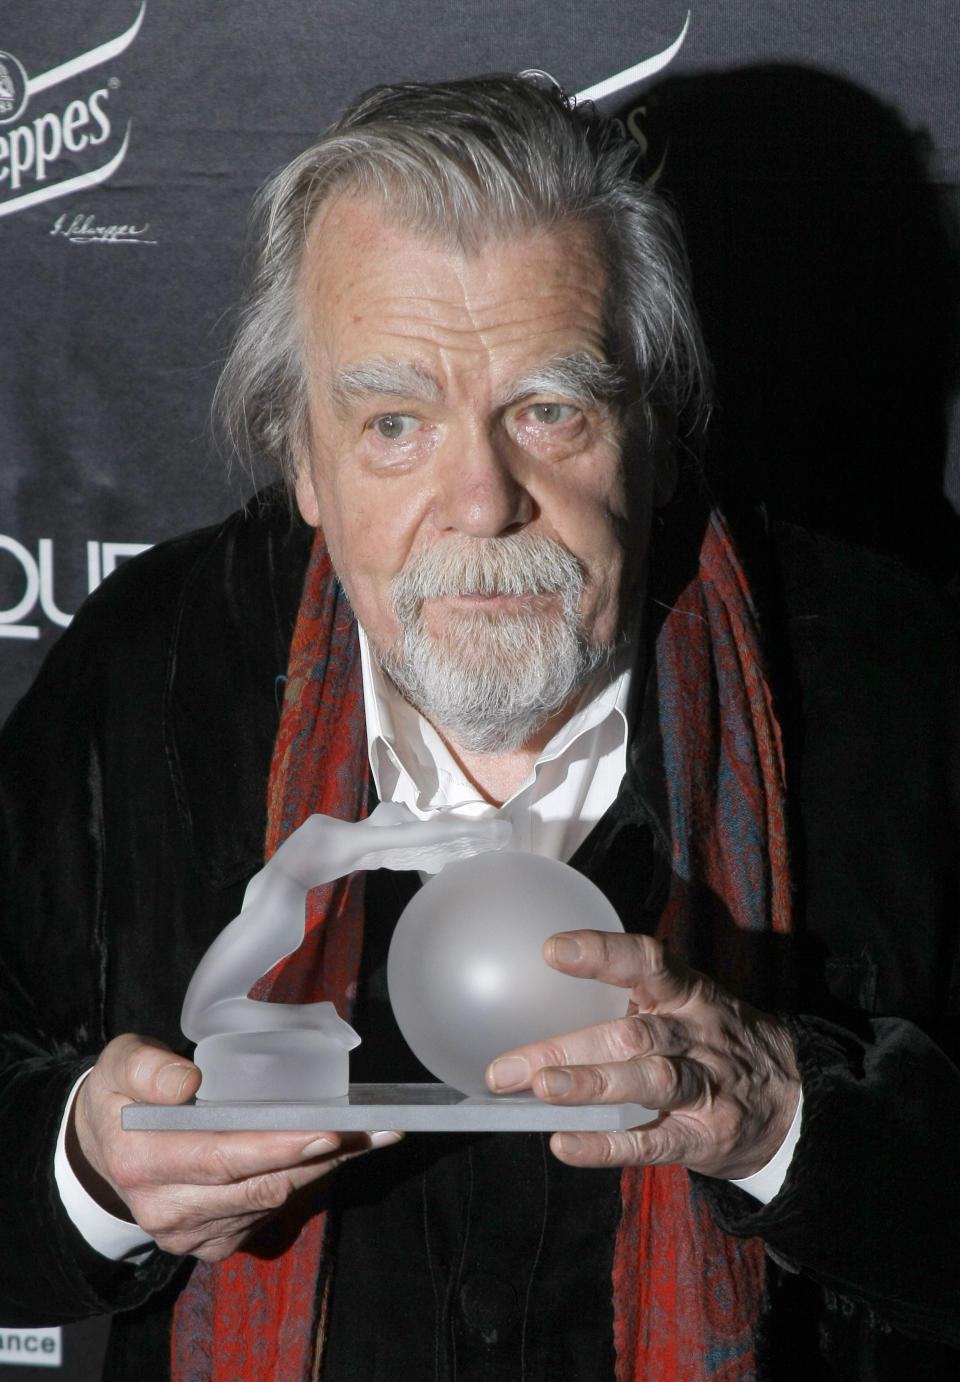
<point x="387" y="1108"/>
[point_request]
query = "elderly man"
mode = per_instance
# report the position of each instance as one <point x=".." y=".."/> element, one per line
<point x="469" y="346"/>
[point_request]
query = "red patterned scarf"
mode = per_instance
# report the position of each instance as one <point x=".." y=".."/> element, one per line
<point x="687" y="1296"/>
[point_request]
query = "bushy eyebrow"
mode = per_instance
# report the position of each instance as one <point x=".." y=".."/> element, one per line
<point x="579" y="376"/>
<point x="384" y="378"/>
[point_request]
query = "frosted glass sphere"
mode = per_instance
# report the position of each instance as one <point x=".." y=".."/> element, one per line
<point x="466" y="973"/>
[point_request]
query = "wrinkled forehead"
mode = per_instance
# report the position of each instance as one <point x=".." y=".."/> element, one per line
<point x="369" y="282"/>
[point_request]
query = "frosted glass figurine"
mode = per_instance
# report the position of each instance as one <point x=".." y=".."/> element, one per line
<point x="252" y="1050"/>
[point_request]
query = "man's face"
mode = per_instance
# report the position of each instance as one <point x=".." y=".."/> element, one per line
<point x="454" y="400"/>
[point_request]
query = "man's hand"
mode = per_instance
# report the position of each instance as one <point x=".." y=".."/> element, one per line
<point x="193" y="1192"/>
<point x="722" y="1073"/>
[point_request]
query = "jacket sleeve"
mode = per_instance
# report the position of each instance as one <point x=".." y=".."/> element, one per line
<point x="54" y="972"/>
<point x="870" y="1207"/>
<point x="132" y="808"/>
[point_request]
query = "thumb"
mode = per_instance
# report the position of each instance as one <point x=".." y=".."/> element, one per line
<point x="147" y="1071"/>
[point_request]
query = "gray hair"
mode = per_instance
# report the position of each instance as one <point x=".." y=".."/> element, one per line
<point x="468" y="162"/>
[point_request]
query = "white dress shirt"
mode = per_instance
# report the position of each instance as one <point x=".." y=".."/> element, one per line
<point x="569" y="788"/>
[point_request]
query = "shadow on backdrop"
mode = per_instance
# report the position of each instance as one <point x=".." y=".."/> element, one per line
<point x="825" y="264"/>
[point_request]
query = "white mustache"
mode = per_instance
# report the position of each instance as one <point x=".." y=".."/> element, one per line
<point x="518" y="564"/>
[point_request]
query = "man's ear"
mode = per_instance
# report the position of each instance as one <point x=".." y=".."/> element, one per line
<point x="305" y="493"/>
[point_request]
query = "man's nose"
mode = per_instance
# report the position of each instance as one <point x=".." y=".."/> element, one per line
<point x="481" y="492"/>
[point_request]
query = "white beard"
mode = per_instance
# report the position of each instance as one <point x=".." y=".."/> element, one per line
<point x="491" y="679"/>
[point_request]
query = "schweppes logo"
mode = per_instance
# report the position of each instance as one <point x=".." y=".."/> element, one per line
<point x="35" y="148"/>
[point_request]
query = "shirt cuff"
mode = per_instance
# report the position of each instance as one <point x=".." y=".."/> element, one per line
<point x="767" y="1182"/>
<point x="111" y="1237"/>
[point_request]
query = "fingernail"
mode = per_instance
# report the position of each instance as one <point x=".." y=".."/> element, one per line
<point x="566" y="950"/>
<point x="568" y="1144"/>
<point x="384" y="1139"/>
<point x="557" y="1082"/>
<point x="318" y="1147"/>
<point x="170" y="1079"/>
<point x="507" y="1071"/>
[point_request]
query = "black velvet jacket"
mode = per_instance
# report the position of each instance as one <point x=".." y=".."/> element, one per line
<point x="132" y="810"/>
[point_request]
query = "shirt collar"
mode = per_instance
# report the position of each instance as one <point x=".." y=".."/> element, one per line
<point x="411" y="763"/>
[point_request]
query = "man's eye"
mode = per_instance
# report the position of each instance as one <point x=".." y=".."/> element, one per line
<point x="395" y="426"/>
<point x="552" y="413"/>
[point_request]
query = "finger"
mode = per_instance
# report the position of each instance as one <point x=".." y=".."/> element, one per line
<point x="621" y="1040"/>
<point x="662" y="1143"/>
<point x="659" y="980"/>
<point x="225" y="1158"/>
<point x="659" y="1082"/>
<point x="146" y="1071"/>
<point x="187" y="1200"/>
<point x="210" y="1222"/>
<point x="353" y="1143"/>
<point x="196" y="1209"/>
<point x="222" y="1158"/>
<point x="190" y="1219"/>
